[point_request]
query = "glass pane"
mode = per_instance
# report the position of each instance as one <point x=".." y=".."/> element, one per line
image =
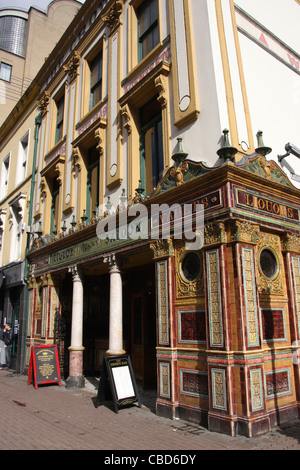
<point x="5" y="72"/>
<point x="191" y="267"/>
<point x="268" y="263"/>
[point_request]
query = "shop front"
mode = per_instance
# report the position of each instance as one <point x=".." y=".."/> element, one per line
<point x="215" y="330"/>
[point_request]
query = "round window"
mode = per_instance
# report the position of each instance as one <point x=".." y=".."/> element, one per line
<point x="191" y="266"/>
<point x="268" y="263"/>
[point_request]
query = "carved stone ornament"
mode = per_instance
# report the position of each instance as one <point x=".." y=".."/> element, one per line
<point x="43" y="103"/>
<point x="72" y="66"/>
<point x="276" y="284"/>
<point x="178" y="173"/>
<point x="162" y="248"/>
<point x="77" y="160"/>
<point x="291" y="242"/>
<point x="112" y="18"/>
<point x="245" y="232"/>
<point x="214" y="234"/>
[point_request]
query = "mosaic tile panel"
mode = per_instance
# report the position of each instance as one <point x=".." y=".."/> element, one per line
<point x="278" y="383"/>
<point x="296" y="281"/>
<point x="250" y="297"/>
<point x="194" y="383"/>
<point x="163" y="304"/>
<point x="191" y="324"/>
<point x="273" y="324"/>
<point x="219" y="389"/>
<point x="164" y="380"/>
<point x="256" y="389"/>
<point x="214" y="299"/>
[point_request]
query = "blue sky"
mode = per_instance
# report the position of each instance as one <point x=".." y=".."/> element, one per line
<point x="25" y="4"/>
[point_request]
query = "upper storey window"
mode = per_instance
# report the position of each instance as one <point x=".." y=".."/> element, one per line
<point x="59" y="119"/>
<point x="148" y="33"/>
<point x="96" y="80"/>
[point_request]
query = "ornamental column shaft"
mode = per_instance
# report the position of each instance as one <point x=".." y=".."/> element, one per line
<point x="115" y="347"/>
<point x="76" y="379"/>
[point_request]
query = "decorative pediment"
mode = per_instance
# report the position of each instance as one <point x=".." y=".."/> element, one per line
<point x="268" y="169"/>
<point x="178" y="175"/>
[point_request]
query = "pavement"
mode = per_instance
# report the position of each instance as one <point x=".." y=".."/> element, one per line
<point x="54" y="418"/>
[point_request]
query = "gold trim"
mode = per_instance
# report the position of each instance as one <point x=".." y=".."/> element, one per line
<point x="191" y="114"/>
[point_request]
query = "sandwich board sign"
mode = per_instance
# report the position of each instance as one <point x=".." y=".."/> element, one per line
<point x="117" y="382"/>
<point x="44" y="365"/>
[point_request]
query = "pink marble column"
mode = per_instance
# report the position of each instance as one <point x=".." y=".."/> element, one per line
<point x="115" y="347"/>
<point x="76" y="378"/>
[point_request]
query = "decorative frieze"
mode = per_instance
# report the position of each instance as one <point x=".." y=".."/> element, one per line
<point x="194" y="383"/>
<point x="164" y="380"/>
<point x="256" y="384"/>
<point x="278" y="383"/>
<point x="218" y="380"/>
<point x="296" y="282"/>
<point x="214" y="299"/>
<point x="249" y="287"/>
<point x="163" y="302"/>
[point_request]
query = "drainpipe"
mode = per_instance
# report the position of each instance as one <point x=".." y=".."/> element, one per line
<point x="38" y="121"/>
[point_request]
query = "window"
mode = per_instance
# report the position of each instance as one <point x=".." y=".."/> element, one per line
<point x="5" y="72"/>
<point x="59" y="119"/>
<point x="4" y="176"/>
<point x="96" y="80"/>
<point x="22" y="159"/>
<point x="54" y="207"/>
<point x="93" y="182"/>
<point x="268" y="263"/>
<point x="151" y="140"/>
<point x="148" y="35"/>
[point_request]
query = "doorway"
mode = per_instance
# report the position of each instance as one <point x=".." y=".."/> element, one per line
<point x="143" y="337"/>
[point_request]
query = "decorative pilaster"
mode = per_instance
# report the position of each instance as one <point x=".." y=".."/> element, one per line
<point x="115" y="308"/>
<point x="76" y="379"/>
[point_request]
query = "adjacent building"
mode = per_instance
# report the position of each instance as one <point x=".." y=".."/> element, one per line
<point x="149" y="105"/>
<point x="26" y="39"/>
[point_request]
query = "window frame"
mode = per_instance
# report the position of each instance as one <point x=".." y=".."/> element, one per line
<point x="59" y="123"/>
<point x="99" y="81"/>
<point x="10" y="72"/>
<point x="154" y="25"/>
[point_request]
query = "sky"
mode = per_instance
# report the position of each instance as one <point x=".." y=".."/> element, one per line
<point x="25" y="4"/>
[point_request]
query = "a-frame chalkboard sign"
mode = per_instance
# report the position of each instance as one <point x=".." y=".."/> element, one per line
<point x="44" y="365"/>
<point x="117" y="382"/>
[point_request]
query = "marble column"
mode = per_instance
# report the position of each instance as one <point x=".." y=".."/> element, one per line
<point x="115" y="347"/>
<point x="76" y="378"/>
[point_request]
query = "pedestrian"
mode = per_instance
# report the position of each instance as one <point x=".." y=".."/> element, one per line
<point x="2" y="349"/>
<point x="7" y="338"/>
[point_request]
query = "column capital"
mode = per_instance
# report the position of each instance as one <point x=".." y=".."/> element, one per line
<point x="76" y="273"/>
<point x="114" y="263"/>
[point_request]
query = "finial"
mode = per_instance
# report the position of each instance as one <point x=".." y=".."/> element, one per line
<point x="261" y="149"/>
<point x="180" y="155"/>
<point x="227" y="151"/>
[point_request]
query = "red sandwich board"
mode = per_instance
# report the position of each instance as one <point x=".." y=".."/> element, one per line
<point x="44" y="365"/>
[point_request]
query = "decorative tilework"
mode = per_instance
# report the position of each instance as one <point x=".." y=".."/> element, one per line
<point x="162" y="285"/>
<point x="278" y="383"/>
<point x="256" y="389"/>
<point x="194" y="383"/>
<point x="273" y="324"/>
<point x="219" y="389"/>
<point x="250" y="297"/>
<point x="164" y="380"/>
<point x="296" y="281"/>
<point x="214" y="299"/>
<point x="191" y="325"/>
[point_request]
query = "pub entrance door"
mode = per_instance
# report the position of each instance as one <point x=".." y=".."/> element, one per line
<point x="143" y="337"/>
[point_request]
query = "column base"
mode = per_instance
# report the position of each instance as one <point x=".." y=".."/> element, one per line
<point x="75" y="382"/>
<point x="112" y="352"/>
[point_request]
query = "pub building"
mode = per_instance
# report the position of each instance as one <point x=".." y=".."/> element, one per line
<point x="128" y="116"/>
